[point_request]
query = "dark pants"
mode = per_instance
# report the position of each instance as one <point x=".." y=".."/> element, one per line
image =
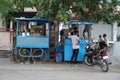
<point x="74" y="56"/>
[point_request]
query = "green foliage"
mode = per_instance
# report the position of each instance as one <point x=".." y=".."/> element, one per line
<point x="7" y="6"/>
<point x="63" y="15"/>
<point x="87" y="10"/>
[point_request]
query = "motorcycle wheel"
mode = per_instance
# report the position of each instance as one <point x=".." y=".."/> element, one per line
<point x="104" y="66"/>
<point x="88" y="60"/>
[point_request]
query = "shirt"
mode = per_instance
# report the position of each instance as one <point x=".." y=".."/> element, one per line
<point x="75" y="41"/>
<point x="106" y="41"/>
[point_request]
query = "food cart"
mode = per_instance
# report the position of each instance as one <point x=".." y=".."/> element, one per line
<point x="32" y="38"/>
<point x="83" y="41"/>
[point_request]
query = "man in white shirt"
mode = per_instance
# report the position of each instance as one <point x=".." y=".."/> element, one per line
<point x="75" y="45"/>
<point x="106" y="40"/>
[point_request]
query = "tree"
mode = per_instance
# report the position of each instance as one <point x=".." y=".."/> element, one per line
<point x="7" y="6"/>
<point x="83" y="10"/>
<point x="87" y="10"/>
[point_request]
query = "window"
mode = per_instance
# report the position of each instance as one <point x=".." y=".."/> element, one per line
<point x="29" y="28"/>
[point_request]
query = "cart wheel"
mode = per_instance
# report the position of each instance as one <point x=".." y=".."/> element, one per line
<point x="42" y="53"/>
<point x="25" y="51"/>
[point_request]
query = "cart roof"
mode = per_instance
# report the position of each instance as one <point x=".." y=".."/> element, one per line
<point x="32" y="19"/>
<point x="81" y="23"/>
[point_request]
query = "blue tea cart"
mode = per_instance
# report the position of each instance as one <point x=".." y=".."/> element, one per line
<point x="83" y="43"/>
<point x="32" y="38"/>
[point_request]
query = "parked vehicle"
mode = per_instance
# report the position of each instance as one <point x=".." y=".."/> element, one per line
<point x="97" y="57"/>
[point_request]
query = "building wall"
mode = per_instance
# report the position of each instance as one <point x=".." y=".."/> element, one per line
<point x="6" y="40"/>
<point x="100" y="29"/>
<point x="116" y="50"/>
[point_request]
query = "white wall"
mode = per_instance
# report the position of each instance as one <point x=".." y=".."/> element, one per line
<point x="118" y="31"/>
<point x="100" y="29"/>
<point x="116" y="50"/>
<point x="5" y="42"/>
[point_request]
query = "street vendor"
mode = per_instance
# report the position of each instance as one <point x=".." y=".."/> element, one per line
<point x="75" y="46"/>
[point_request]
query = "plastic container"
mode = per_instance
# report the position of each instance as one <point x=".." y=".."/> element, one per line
<point x="60" y="49"/>
<point x="58" y="57"/>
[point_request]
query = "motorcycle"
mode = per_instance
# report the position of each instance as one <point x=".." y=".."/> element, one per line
<point x="97" y="57"/>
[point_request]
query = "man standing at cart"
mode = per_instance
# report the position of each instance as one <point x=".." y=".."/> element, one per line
<point x="75" y="46"/>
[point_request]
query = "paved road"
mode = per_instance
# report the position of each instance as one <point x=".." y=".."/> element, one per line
<point x="52" y="71"/>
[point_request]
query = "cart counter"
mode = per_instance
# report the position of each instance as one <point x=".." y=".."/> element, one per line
<point x="68" y="51"/>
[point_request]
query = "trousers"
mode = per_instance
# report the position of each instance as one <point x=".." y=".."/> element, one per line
<point x="74" y="56"/>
